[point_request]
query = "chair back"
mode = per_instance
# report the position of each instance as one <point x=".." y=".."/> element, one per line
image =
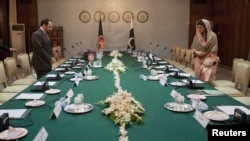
<point x="24" y="63"/>
<point x="3" y="78"/>
<point x="188" y="58"/>
<point x="57" y="53"/>
<point x="30" y="56"/>
<point x="242" y="76"/>
<point x="177" y="53"/>
<point x="10" y="69"/>
<point x="234" y="66"/>
<point x="173" y="50"/>
<point x="183" y="56"/>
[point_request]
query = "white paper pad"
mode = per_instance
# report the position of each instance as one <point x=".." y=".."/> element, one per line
<point x="51" y="83"/>
<point x="29" y="96"/>
<point x="230" y="109"/>
<point x="14" y="113"/>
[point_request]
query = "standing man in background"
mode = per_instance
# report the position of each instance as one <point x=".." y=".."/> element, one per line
<point x="42" y="59"/>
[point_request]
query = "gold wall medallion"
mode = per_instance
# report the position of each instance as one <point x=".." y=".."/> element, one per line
<point x="114" y="16"/>
<point x="142" y="16"/>
<point x="127" y="16"/>
<point x="84" y="16"/>
<point x="98" y="15"/>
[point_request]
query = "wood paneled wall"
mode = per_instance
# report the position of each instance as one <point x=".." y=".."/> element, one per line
<point x="231" y="20"/>
<point x="4" y="26"/>
<point x="27" y="13"/>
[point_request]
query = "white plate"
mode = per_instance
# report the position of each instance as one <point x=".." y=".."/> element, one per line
<point x="216" y="115"/>
<point x="177" y="83"/>
<point x="35" y="103"/>
<point x="13" y="133"/>
<point x="69" y="72"/>
<point x="173" y="106"/>
<point x="52" y="91"/>
<point x="92" y="77"/>
<point x="84" y="108"/>
<point x="73" y="79"/>
<point x="196" y="96"/>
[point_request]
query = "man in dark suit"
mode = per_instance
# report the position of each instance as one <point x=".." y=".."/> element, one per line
<point x="4" y="47"/>
<point x="42" y="49"/>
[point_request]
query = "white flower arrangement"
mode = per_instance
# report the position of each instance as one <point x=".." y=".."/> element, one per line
<point x="115" y="65"/>
<point x="115" y="54"/>
<point x="121" y="107"/>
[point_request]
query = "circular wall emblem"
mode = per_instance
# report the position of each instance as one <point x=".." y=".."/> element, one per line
<point x="98" y="15"/>
<point x="142" y="16"/>
<point x="127" y="16"/>
<point x="114" y="16"/>
<point x="84" y="16"/>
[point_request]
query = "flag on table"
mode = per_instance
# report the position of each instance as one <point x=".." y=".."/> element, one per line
<point x="100" y="45"/>
<point x="131" y="41"/>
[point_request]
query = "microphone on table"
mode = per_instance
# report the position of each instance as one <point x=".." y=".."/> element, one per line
<point x="154" y="48"/>
<point x="68" y="52"/>
<point x="84" y="46"/>
<point x="161" y="51"/>
<point x="81" y="50"/>
<point x="150" y="43"/>
<point x="75" y="50"/>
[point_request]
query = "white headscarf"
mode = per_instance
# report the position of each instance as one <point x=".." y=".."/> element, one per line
<point x="208" y="27"/>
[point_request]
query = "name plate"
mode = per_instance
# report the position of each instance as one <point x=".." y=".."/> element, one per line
<point x="163" y="82"/>
<point x="174" y="93"/>
<point x="201" y="118"/>
<point x="56" y="112"/>
<point x="41" y="135"/>
<point x="70" y="93"/>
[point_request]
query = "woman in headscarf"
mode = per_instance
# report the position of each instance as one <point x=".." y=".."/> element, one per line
<point x="205" y="48"/>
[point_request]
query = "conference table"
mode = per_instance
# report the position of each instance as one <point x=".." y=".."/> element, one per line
<point x="159" y="123"/>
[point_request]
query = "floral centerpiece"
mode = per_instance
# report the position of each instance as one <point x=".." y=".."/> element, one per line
<point x="115" y="64"/>
<point x="121" y="107"/>
<point x="115" y="54"/>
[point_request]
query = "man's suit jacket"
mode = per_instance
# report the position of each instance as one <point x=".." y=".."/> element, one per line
<point x="3" y="47"/>
<point x="42" y="51"/>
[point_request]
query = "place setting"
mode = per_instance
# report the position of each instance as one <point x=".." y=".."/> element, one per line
<point x="178" y="105"/>
<point x="156" y="75"/>
<point x="88" y="75"/>
<point x="79" y="106"/>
